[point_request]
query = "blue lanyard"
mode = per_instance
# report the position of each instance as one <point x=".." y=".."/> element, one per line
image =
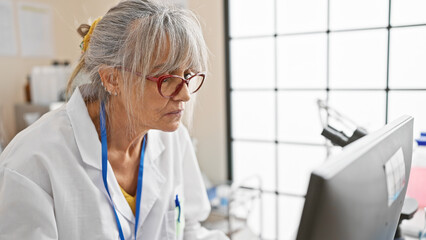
<point x="104" y="173"/>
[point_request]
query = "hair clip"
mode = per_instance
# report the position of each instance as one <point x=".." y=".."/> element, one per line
<point x="85" y="43"/>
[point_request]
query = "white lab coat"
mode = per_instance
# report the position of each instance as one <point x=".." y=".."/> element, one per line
<point x="51" y="184"/>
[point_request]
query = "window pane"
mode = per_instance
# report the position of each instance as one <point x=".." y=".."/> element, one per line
<point x="252" y="62"/>
<point x="408" y="12"/>
<point x="366" y="109"/>
<point x="407" y="58"/>
<point x="358" y="59"/>
<point x="410" y="103"/>
<point x="251" y="18"/>
<point x="298" y="116"/>
<point x="295" y="164"/>
<point x="254" y="159"/>
<point x="352" y="14"/>
<point x="253" y="115"/>
<point x="290" y="212"/>
<point x="294" y="16"/>
<point x="302" y="61"/>
<point x="268" y="212"/>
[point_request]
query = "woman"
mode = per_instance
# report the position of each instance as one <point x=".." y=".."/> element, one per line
<point x="115" y="161"/>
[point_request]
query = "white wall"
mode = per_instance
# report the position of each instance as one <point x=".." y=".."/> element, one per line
<point x="210" y="113"/>
<point x="209" y="122"/>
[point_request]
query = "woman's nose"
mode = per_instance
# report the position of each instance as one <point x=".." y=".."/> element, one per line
<point x="183" y="94"/>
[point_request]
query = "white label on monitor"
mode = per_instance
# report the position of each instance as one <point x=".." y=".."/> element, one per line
<point x="395" y="175"/>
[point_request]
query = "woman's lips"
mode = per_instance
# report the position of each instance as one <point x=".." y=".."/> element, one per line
<point x="177" y="112"/>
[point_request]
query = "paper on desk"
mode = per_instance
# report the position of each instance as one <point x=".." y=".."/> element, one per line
<point x="7" y="29"/>
<point x="35" y="28"/>
<point x="395" y="175"/>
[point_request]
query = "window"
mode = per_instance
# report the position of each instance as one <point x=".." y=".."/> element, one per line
<point x="365" y="58"/>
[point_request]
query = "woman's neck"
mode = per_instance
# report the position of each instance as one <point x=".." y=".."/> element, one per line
<point x="123" y="147"/>
<point x="121" y="141"/>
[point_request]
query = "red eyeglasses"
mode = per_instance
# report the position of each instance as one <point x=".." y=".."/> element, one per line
<point x="170" y="85"/>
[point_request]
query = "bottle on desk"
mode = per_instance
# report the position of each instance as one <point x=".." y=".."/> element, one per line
<point x="416" y="185"/>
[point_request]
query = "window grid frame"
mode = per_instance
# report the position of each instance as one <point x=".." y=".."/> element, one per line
<point x="230" y="139"/>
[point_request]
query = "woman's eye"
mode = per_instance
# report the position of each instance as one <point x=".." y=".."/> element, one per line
<point x="188" y="75"/>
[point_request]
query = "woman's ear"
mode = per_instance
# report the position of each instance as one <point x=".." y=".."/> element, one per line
<point x="109" y="79"/>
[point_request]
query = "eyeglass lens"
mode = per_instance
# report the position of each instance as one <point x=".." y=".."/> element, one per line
<point x="171" y="84"/>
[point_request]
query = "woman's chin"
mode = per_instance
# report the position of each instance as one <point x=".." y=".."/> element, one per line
<point x="171" y="127"/>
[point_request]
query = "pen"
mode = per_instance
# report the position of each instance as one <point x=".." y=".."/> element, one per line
<point x="177" y="203"/>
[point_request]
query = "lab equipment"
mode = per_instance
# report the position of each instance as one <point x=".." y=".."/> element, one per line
<point x="359" y="193"/>
<point x="237" y="208"/>
<point x="338" y="137"/>
<point x="245" y="206"/>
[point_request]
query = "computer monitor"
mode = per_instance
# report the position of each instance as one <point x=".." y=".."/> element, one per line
<point x="358" y="194"/>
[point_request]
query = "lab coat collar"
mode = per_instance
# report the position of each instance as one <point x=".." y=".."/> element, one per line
<point x="89" y="146"/>
<point x="85" y="132"/>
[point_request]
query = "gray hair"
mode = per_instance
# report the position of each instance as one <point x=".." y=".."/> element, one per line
<point x="136" y="34"/>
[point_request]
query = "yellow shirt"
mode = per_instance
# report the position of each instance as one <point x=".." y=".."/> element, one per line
<point x="131" y="200"/>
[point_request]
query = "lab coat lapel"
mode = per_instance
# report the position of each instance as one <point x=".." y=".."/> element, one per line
<point x="153" y="179"/>
<point x="90" y="149"/>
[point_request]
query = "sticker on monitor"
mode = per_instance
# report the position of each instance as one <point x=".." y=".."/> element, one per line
<point x="395" y="175"/>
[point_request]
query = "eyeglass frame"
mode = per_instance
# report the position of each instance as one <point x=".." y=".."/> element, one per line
<point x="159" y="81"/>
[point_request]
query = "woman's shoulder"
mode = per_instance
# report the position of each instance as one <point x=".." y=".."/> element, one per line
<point x="39" y="149"/>
<point x="52" y="125"/>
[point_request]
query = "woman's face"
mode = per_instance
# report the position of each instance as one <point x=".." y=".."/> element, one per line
<point x="154" y="111"/>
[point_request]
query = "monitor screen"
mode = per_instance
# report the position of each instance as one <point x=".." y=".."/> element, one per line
<point x="359" y="193"/>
